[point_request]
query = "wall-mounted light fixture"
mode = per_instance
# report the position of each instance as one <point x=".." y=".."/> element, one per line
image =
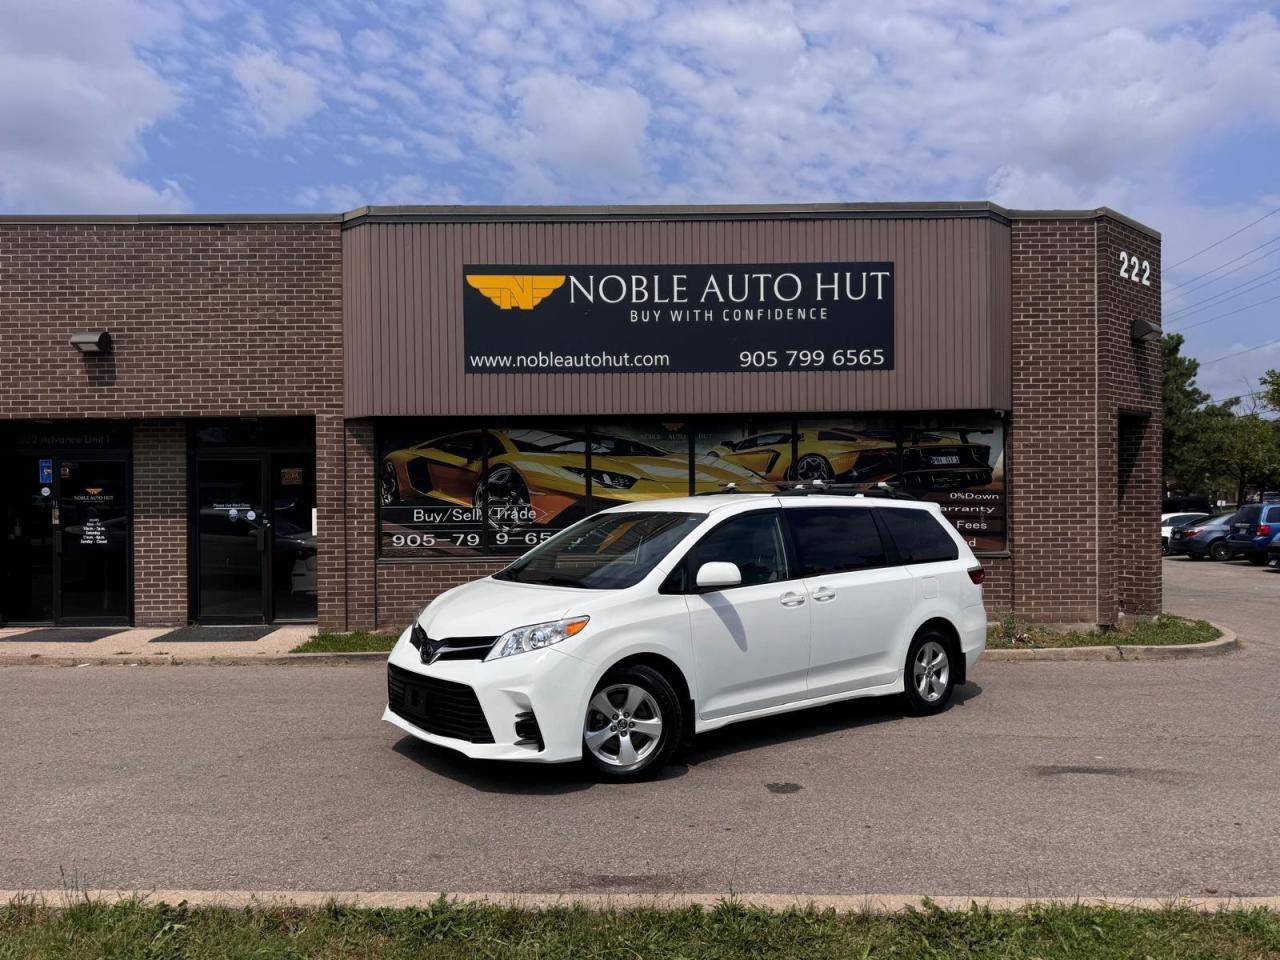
<point x="1144" y="331"/>
<point x="99" y="341"/>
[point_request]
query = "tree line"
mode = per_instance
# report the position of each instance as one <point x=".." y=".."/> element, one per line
<point x="1226" y="450"/>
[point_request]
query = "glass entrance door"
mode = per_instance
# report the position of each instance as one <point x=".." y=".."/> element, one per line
<point x="93" y="543"/>
<point x="232" y="545"/>
<point x="26" y="538"/>
<point x="293" y="536"/>
<point x="64" y="539"/>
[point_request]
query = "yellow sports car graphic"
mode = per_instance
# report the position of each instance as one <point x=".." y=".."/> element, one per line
<point x="540" y="476"/>
<point x="929" y="461"/>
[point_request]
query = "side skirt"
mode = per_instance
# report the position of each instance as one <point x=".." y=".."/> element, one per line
<point x="884" y="689"/>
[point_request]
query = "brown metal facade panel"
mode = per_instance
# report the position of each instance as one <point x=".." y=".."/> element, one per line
<point x="404" y="331"/>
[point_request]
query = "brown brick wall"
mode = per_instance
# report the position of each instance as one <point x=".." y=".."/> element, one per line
<point x="208" y="320"/>
<point x="1053" y="464"/>
<point x="1132" y="412"/>
<point x="159" y="523"/>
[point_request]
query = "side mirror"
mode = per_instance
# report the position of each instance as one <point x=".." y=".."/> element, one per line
<point x="717" y="575"/>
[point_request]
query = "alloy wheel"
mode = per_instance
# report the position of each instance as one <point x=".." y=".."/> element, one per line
<point x="623" y="726"/>
<point x="505" y="498"/>
<point x="388" y="485"/>
<point x="813" y="467"/>
<point x="931" y="671"/>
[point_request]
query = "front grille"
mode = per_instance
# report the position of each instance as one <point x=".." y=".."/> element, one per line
<point x="450" y="648"/>
<point x="442" y="707"/>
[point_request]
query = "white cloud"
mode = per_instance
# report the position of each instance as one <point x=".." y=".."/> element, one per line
<point x="76" y="100"/>
<point x="276" y="97"/>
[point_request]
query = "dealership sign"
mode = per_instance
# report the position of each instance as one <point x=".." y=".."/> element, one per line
<point x="681" y="319"/>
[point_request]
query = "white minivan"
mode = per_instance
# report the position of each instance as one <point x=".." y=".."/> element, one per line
<point x="641" y="625"/>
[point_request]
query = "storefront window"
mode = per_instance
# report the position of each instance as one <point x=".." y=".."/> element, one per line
<point x="752" y="454"/>
<point x="957" y="460"/>
<point x="469" y="489"/>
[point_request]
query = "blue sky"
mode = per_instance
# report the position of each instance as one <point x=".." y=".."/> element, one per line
<point x="1168" y="111"/>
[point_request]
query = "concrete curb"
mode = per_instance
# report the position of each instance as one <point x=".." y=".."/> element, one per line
<point x="232" y="660"/>
<point x="1227" y="643"/>
<point x="398" y="899"/>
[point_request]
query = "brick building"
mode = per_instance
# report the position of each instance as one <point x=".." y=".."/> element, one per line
<point x="335" y="417"/>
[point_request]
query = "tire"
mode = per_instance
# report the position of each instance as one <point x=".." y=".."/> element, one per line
<point x="1164" y="546"/>
<point x="1258" y="559"/>
<point x="651" y="697"/>
<point x="813" y="466"/>
<point x="389" y="485"/>
<point x="923" y="670"/>
<point x="504" y="488"/>
<point x="1220" y="551"/>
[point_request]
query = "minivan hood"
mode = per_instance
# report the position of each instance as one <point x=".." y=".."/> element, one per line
<point x="489" y="608"/>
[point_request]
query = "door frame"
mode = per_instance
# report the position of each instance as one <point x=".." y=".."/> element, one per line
<point x="102" y="454"/>
<point x="98" y="456"/>
<point x="266" y="460"/>
<point x="262" y="458"/>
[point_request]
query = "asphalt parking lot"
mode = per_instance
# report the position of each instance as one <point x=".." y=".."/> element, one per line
<point x="1045" y="779"/>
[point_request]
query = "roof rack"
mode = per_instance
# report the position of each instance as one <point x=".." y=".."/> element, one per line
<point x="805" y="488"/>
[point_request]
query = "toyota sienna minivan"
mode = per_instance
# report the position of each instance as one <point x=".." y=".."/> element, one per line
<point x="639" y="626"/>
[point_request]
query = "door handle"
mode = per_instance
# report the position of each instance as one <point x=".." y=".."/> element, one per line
<point x="791" y="599"/>
<point x="823" y="594"/>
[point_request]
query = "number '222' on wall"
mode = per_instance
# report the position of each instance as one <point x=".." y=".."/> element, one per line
<point x="1131" y="268"/>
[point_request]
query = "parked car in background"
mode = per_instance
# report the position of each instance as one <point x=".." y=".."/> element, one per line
<point x="1203" y="538"/>
<point x="1170" y="521"/>
<point x="1253" y="530"/>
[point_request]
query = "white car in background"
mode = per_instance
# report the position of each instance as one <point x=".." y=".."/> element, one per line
<point x="641" y="625"/>
<point x="1171" y="521"/>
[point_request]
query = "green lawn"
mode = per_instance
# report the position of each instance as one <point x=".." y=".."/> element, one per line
<point x="357" y="642"/>
<point x="132" y="930"/>
<point x="1164" y="630"/>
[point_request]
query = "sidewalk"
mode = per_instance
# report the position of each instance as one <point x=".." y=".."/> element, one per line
<point x="152" y="643"/>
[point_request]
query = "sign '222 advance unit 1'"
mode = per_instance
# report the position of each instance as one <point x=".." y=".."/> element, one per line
<point x="679" y="319"/>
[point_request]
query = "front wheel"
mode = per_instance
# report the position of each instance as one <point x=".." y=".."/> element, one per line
<point x="813" y="466"/>
<point x="634" y="721"/>
<point x="930" y="673"/>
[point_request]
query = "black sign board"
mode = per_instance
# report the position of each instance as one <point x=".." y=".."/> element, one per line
<point x="678" y="319"/>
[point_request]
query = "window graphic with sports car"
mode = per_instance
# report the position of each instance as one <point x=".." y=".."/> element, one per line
<point x="929" y="461"/>
<point x="541" y="475"/>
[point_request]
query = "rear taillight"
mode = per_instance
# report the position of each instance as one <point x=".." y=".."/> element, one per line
<point x="977" y="575"/>
<point x="1264" y="530"/>
<point x="1191" y="533"/>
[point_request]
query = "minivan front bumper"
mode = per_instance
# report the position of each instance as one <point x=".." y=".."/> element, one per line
<point x="481" y="708"/>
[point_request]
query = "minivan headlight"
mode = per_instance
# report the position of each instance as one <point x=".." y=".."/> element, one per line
<point x="535" y="636"/>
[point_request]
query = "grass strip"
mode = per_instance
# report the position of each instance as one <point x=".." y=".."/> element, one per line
<point x="138" y="930"/>
<point x="1162" y="631"/>
<point x="357" y="642"/>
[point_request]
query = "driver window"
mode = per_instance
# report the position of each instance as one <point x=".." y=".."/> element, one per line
<point x="753" y="541"/>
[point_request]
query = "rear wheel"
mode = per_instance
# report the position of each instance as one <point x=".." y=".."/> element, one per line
<point x="1258" y="559"/>
<point x="930" y="672"/>
<point x="634" y="721"/>
<point x="1220" y="551"/>
<point x="813" y="466"/>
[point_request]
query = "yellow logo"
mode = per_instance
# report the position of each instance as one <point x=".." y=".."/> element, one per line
<point x="522" y="292"/>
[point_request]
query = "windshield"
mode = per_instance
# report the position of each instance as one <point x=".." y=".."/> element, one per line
<point x="609" y="551"/>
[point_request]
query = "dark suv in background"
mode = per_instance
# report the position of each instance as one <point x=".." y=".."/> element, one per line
<point x="1252" y="531"/>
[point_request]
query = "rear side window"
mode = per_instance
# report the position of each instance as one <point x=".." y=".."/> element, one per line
<point x="919" y="536"/>
<point x="753" y="541"/>
<point x="1249" y="514"/>
<point x="832" y="540"/>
